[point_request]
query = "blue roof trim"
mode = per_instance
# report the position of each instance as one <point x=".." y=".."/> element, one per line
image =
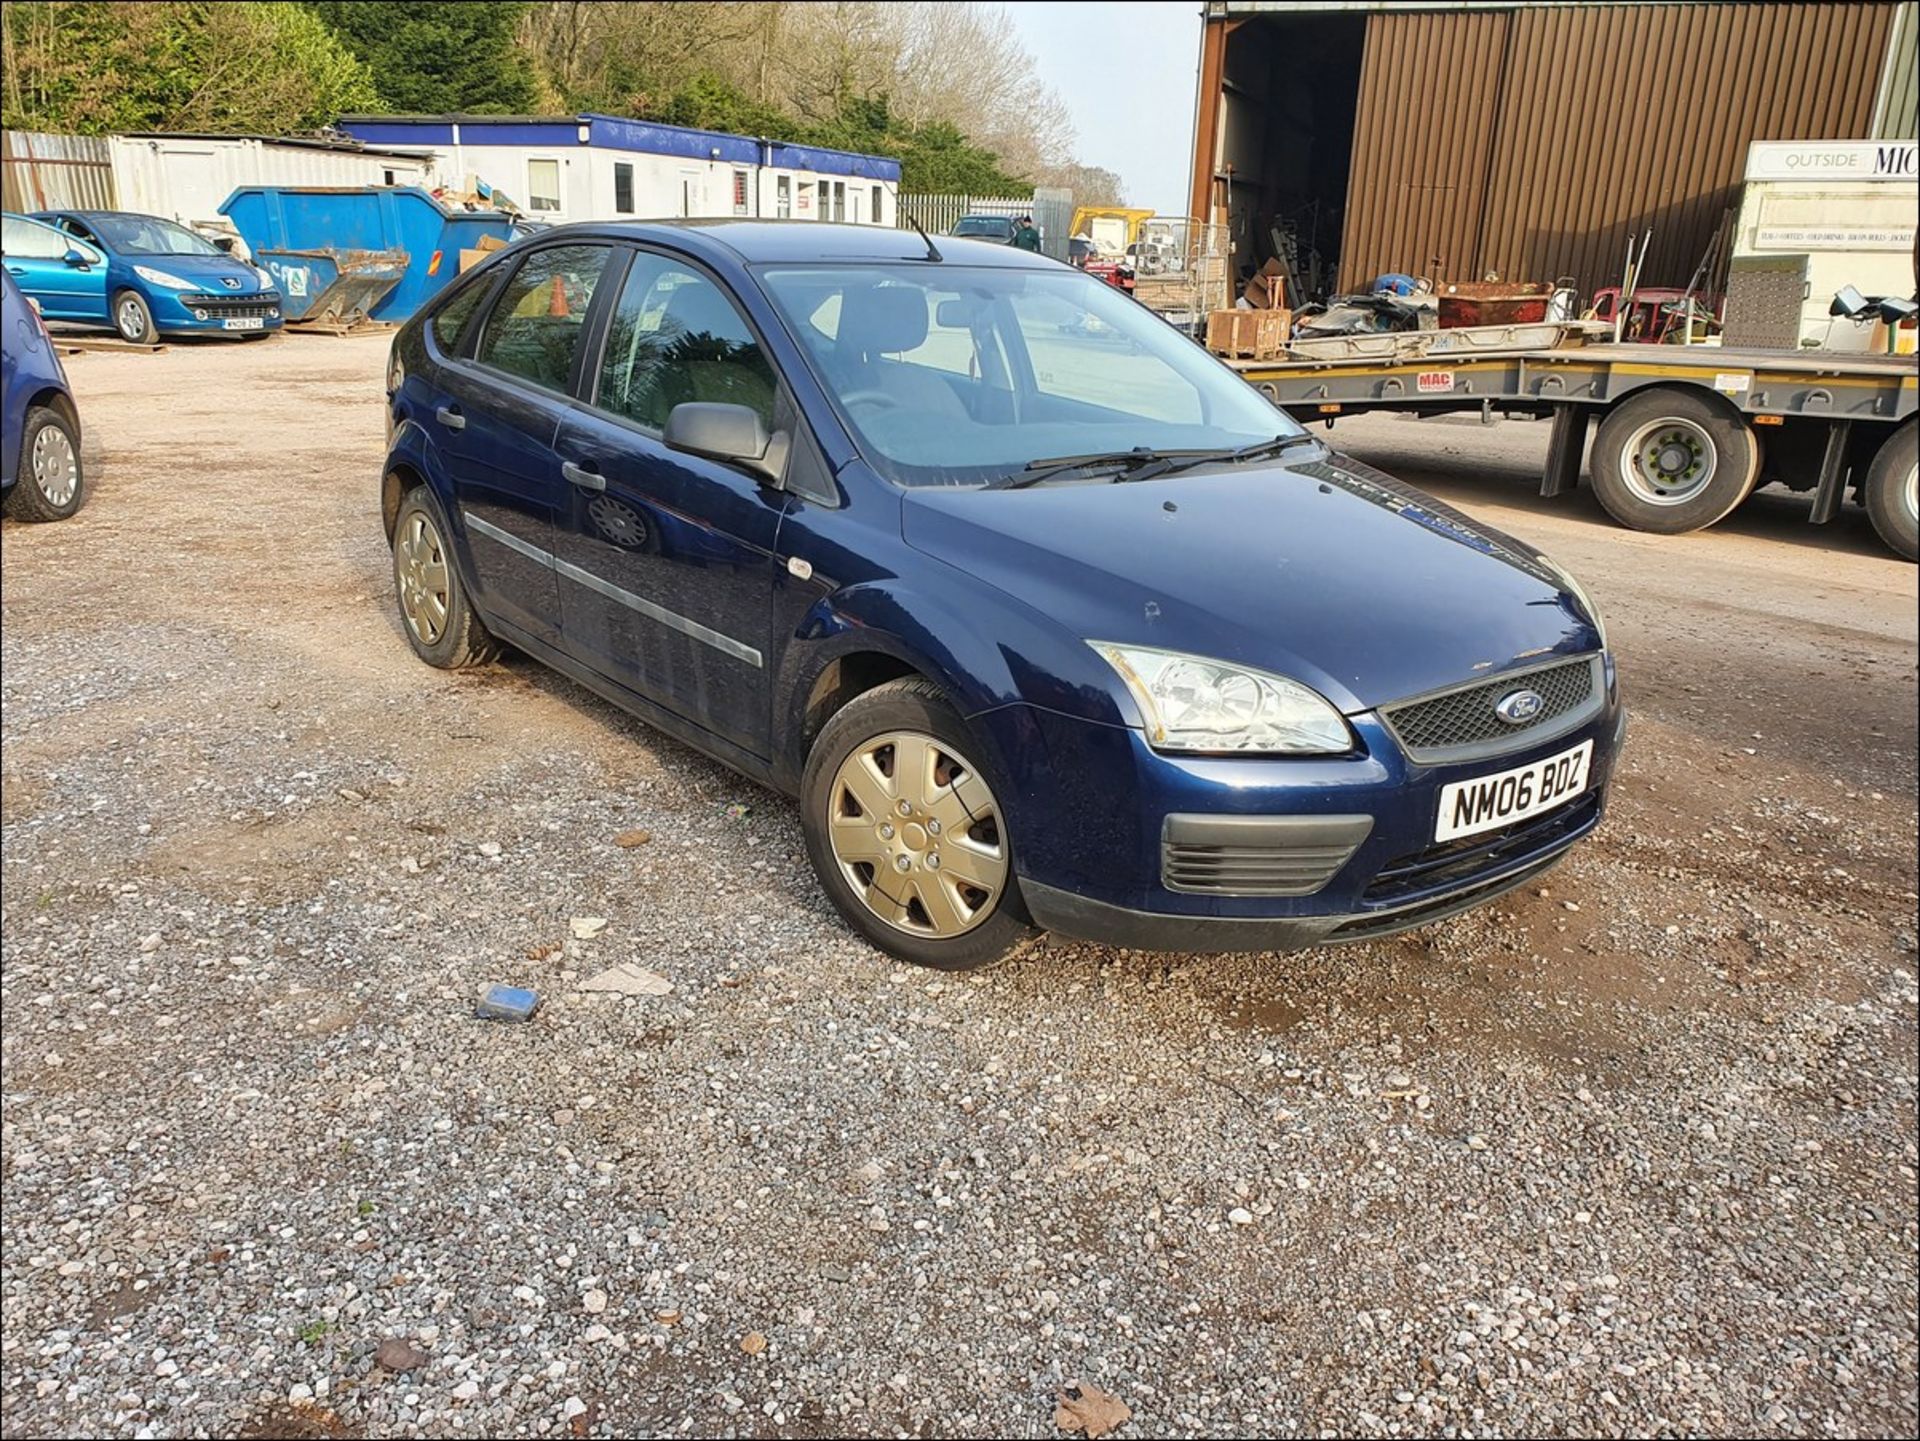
<point x="652" y="138"/>
<point x="398" y="132"/>
<point x="610" y="131"/>
<point x="834" y="162"/>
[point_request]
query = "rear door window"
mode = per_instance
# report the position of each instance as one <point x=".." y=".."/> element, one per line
<point x="533" y="330"/>
<point x="676" y="337"/>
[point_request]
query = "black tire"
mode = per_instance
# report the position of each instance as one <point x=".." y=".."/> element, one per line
<point x="1713" y="455"/>
<point x="1001" y="927"/>
<point x="1889" y="491"/>
<point x="458" y="641"/>
<point x="133" y="318"/>
<point x="31" y="499"/>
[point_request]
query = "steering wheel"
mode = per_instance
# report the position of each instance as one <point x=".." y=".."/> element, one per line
<point x="871" y="397"/>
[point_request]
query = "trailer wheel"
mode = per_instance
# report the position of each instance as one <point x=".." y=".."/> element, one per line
<point x="1890" y="489"/>
<point x="1670" y="461"/>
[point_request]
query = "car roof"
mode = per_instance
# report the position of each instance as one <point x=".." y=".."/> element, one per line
<point x="757" y="241"/>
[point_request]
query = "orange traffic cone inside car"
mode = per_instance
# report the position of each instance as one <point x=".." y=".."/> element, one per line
<point x="558" y="304"/>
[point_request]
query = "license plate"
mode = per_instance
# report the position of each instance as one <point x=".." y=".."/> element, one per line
<point x="1485" y="804"/>
<point x="244" y="323"/>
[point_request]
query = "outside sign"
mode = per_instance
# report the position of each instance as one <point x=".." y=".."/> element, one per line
<point x="1833" y="160"/>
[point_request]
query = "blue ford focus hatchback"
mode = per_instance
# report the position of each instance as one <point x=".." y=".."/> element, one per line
<point x="1046" y="618"/>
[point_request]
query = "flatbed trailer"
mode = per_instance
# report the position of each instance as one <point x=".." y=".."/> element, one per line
<point x="1681" y="435"/>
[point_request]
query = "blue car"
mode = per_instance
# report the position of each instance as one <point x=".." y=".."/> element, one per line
<point x="40" y="473"/>
<point x="1045" y="617"/>
<point x="158" y="278"/>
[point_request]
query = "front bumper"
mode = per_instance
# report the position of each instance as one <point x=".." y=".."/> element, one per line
<point x="1095" y="809"/>
<point x="179" y="312"/>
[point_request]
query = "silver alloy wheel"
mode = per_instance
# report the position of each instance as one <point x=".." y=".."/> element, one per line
<point x="1669" y="461"/>
<point x="420" y="574"/>
<point x="1910" y="492"/>
<point x="55" y="469"/>
<point x="132" y="317"/>
<point x="917" y="834"/>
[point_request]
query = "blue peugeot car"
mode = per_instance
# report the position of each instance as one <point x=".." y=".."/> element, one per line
<point x="159" y="278"/>
<point x="1045" y="617"/>
<point x="40" y="471"/>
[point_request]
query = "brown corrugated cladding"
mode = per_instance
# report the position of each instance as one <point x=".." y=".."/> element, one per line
<point x="1607" y="121"/>
<point x="1429" y="92"/>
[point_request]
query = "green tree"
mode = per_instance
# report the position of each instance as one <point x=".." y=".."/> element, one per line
<point x="438" y="58"/>
<point x="92" y="68"/>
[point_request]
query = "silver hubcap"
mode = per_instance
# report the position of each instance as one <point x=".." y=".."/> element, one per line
<point x="133" y="323"/>
<point x="420" y="573"/>
<point x="1668" y="462"/>
<point x="55" y="470"/>
<point x="917" y="834"/>
<point x="1910" y="492"/>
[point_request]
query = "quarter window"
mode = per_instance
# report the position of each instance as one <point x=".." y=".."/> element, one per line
<point x="534" y="327"/>
<point x="676" y="337"/>
<point x="622" y="188"/>
<point x="543" y="185"/>
<point x="451" y="318"/>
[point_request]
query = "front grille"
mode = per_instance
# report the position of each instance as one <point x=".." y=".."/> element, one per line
<point x="1251" y="870"/>
<point x="1442" y="725"/>
<point x="1457" y="861"/>
<point x="234" y="307"/>
<point x="1387" y="923"/>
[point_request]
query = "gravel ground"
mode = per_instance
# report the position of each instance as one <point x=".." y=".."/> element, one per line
<point x="1633" y="1151"/>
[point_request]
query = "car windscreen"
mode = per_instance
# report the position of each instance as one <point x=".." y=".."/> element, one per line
<point x="149" y="235"/>
<point x="983" y="225"/>
<point x="964" y="375"/>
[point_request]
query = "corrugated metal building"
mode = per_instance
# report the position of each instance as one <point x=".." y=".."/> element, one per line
<point x="1527" y="138"/>
<point x="185" y="177"/>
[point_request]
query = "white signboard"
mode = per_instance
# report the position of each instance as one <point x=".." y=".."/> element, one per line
<point x="1833" y="160"/>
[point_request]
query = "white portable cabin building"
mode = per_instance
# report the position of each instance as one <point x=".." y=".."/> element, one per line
<point x="600" y="167"/>
<point x="187" y="177"/>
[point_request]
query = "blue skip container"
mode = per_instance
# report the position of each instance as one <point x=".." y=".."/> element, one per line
<point x="345" y="253"/>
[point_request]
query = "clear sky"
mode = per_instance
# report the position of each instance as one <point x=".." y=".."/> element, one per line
<point x="1126" y="70"/>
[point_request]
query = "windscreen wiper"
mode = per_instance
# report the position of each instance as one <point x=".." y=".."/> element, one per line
<point x="1177" y="461"/>
<point x="1140" y="455"/>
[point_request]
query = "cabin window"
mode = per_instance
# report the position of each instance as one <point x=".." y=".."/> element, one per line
<point x="543" y="185"/>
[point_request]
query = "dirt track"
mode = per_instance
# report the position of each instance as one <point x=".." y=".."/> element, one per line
<point x="1655" y="1114"/>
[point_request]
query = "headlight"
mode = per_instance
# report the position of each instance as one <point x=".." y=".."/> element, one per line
<point x="160" y="277"/>
<point x="1579" y="593"/>
<point x="1210" y="706"/>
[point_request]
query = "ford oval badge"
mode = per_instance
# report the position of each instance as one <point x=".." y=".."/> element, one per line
<point x="1519" y="707"/>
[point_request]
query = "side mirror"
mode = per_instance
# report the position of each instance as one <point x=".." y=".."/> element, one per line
<point x="734" y="434"/>
<point x="78" y="259"/>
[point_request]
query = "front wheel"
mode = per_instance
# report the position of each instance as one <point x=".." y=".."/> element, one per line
<point x="133" y="319"/>
<point x="50" y="485"/>
<point x="906" y="833"/>
<point x="1892" y="491"/>
<point x="1670" y="461"/>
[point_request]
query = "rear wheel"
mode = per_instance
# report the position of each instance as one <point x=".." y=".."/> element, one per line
<point x="133" y="319"/>
<point x="1890" y="491"/>
<point x="49" y="485"/>
<point x="906" y="834"/>
<point x="1669" y="461"/>
<point x="434" y="609"/>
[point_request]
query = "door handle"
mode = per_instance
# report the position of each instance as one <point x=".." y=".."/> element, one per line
<point x="582" y="477"/>
<point x="452" y="419"/>
<point x="15" y="270"/>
